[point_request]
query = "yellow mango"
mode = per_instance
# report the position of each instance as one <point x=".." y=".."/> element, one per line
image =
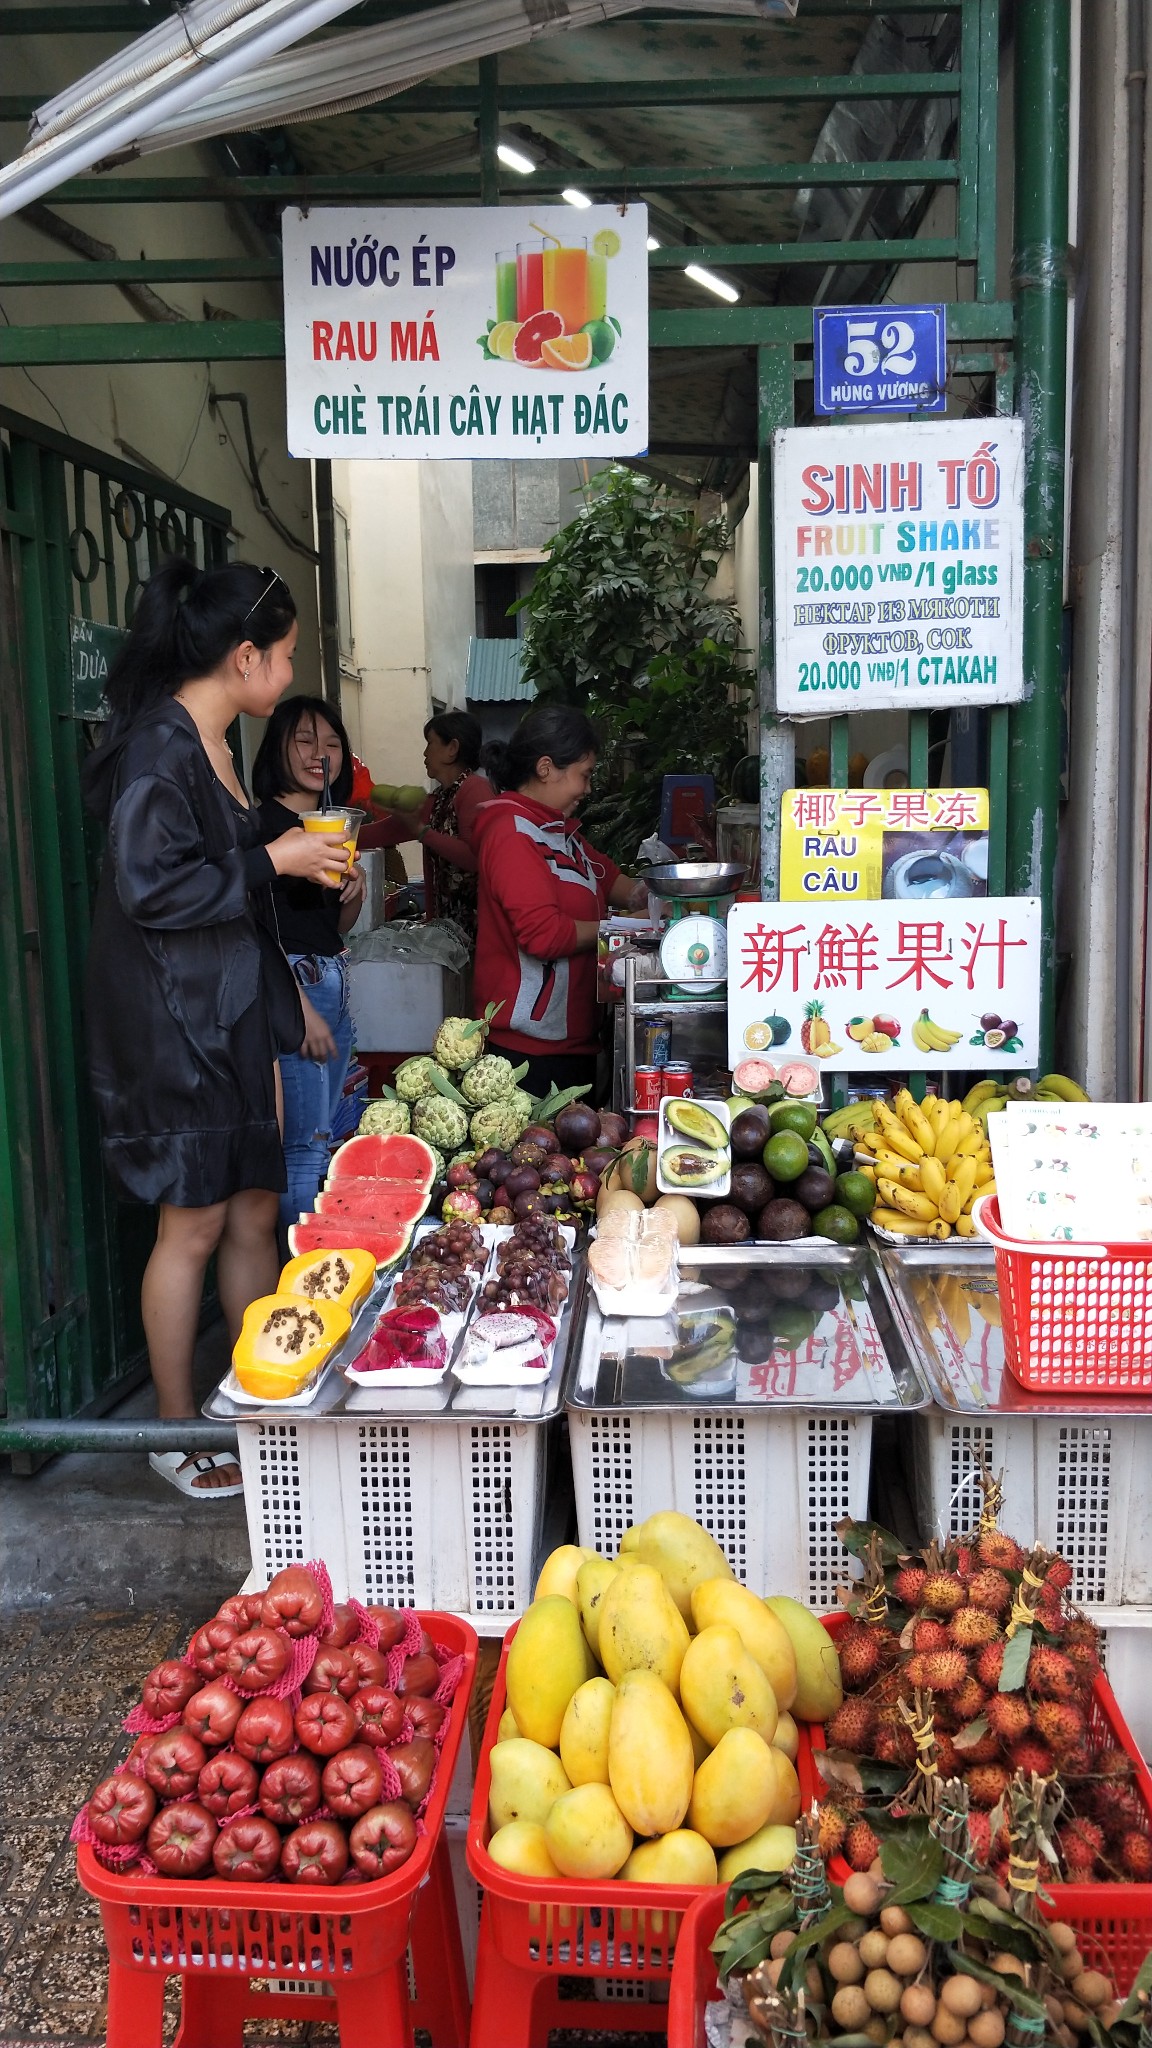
<point x="592" y="1582"/>
<point x="507" y="1730"/>
<point x="726" y="1602"/>
<point x="584" y="1732"/>
<point x="558" y="1572"/>
<point x="679" y="1858"/>
<point x="522" y="1846"/>
<point x="650" y="1762"/>
<point x="683" y="1553"/>
<point x="787" y="1737"/>
<point x="587" y="1834"/>
<point x="527" y="1779"/>
<point x="722" y="1686"/>
<point x="630" y="1540"/>
<point x="819" y="1691"/>
<point x="641" y="1628"/>
<point x="735" y="1789"/>
<point x="770" y="1848"/>
<point x="548" y="1659"/>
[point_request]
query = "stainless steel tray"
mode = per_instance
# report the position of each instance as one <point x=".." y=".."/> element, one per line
<point x="754" y="1327"/>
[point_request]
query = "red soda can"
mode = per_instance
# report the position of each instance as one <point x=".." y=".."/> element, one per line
<point x="647" y="1088"/>
<point x="678" y="1078"/>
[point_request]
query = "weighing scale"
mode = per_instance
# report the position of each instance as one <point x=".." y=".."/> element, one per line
<point x="696" y="897"/>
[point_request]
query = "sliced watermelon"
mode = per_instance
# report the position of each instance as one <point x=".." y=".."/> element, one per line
<point x="332" y="1234"/>
<point x="373" y="1201"/>
<point x="396" y="1157"/>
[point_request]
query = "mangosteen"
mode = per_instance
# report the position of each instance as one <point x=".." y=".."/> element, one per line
<point x="782" y="1220"/>
<point x="723" y="1223"/>
<point x="613" y="1127"/>
<point x="750" y="1133"/>
<point x="755" y="1343"/>
<point x="549" y="1200"/>
<point x="598" y="1158"/>
<point x="461" y="1177"/>
<point x="525" y="1153"/>
<point x="501" y="1214"/>
<point x="556" y="1167"/>
<point x="542" y="1135"/>
<point x="499" y="1170"/>
<point x="521" y="1180"/>
<point x="751" y="1186"/>
<point x="530" y="1203"/>
<point x="821" y="1294"/>
<point x="484" y="1193"/>
<point x="584" y="1187"/>
<point x="788" y="1283"/>
<point x="487" y="1160"/>
<point x="815" y="1189"/>
<point x="577" y="1126"/>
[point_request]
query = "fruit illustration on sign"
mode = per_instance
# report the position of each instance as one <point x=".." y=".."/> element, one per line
<point x="997" y="1034"/>
<point x="934" y="1038"/>
<point x="814" y="1031"/>
<point x="859" y="1028"/>
<point x="559" y="296"/>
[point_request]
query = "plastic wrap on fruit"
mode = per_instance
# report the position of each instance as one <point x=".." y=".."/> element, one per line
<point x="436" y="1287"/>
<point x="404" y="1336"/>
<point x="537" y="1234"/>
<point x="456" y="1244"/>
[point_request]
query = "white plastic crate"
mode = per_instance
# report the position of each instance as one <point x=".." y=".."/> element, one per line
<point x="1128" y="1661"/>
<point x="769" y="1488"/>
<point x="443" y="1514"/>
<point x="1082" y="1487"/>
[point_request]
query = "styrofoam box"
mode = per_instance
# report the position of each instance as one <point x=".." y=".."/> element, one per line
<point x="440" y="1514"/>
<point x="399" y="1005"/>
<point x="1082" y="1487"/>
<point x="770" y="1489"/>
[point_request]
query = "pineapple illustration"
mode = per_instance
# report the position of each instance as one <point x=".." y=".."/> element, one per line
<point x="814" y="1031"/>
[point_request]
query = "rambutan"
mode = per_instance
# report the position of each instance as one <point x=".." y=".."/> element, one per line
<point x="909" y="1584"/>
<point x="980" y="1835"/>
<point x="1052" y="1675"/>
<point x="893" y="1745"/>
<point x="994" y="1547"/>
<point x="1121" y="1808"/>
<point x="969" y="1700"/>
<point x="1077" y="1762"/>
<point x="990" y="1589"/>
<point x="1009" y="1715"/>
<point x="965" y="1560"/>
<point x="928" y="1634"/>
<point x="1030" y="1754"/>
<point x="1059" y="1574"/>
<point x="1134" y="1853"/>
<point x="861" y="1846"/>
<point x="944" y="1670"/>
<point x="1084" y="1657"/>
<point x="1080" y="1842"/>
<point x="942" y="1593"/>
<point x="1049" y="1614"/>
<point x="1113" y="1763"/>
<point x="984" y="1750"/>
<point x="987" y="1784"/>
<point x="832" y="1823"/>
<point x="852" y="1726"/>
<point x="860" y="1649"/>
<point x="989" y="1665"/>
<point x="972" y="1627"/>
<point x="1078" y="1629"/>
<point x="1061" y="1725"/>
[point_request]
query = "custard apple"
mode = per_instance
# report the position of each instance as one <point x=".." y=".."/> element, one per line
<point x="500" y="1123"/>
<point x="489" y="1079"/>
<point x="440" y="1122"/>
<point x="440" y="1162"/>
<point x="459" y="1041"/>
<point x="414" y="1078"/>
<point x="386" y="1119"/>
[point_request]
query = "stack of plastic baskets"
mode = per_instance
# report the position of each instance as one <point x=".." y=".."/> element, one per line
<point x="1077" y="1317"/>
<point x="694" y="1980"/>
<point x="348" y="1945"/>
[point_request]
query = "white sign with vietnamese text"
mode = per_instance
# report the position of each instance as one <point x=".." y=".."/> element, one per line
<point x="466" y="331"/>
<point x="899" y="554"/>
<point x="886" y="985"/>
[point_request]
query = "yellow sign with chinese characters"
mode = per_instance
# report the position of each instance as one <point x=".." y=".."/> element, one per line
<point x="908" y="845"/>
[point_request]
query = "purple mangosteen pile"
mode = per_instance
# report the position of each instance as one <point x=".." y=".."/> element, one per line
<point x="553" y="1170"/>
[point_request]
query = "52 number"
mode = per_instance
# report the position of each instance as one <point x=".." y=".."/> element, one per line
<point x="894" y="355"/>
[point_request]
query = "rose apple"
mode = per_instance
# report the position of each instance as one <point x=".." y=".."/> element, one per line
<point x="247" y="1851"/>
<point x="324" y="1723"/>
<point x="169" y="1687"/>
<point x="352" y="1781"/>
<point x="371" y="1665"/>
<point x="383" y="1839"/>
<point x="212" y="1713"/>
<point x="379" y="1715"/>
<point x="226" y="1783"/>
<point x="420" y="1675"/>
<point x="293" y="1602"/>
<point x="426" y="1717"/>
<point x="242" y="1610"/>
<point x="334" y="1670"/>
<point x="344" y="1630"/>
<point x="174" y="1764"/>
<point x="121" y="1809"/>
<point x="181" y="1839"/>
<point x="290" y="1789"/>
<point x="315" y="1854"/>
<point x="415" y="1762"/>
<point x="391" y="1624"/>
<point x="265" y="1730"/>
<point x="208" y="1646"/>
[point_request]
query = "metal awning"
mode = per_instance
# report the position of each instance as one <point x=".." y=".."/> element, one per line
<point x="495" y="674"/>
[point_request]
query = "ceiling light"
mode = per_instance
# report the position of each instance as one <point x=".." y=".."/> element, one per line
<point x="574" y="197"/>
<point x="515" y="159"/>
<point x="712" y="283"/>
<point x="652" y="244"/>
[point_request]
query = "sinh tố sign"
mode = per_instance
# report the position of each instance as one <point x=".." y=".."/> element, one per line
<point x="466" y="331"/>
<point x="899" y="552"/>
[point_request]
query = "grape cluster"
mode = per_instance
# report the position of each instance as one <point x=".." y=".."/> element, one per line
<point x="456" y="1245"/>
<point x="445" y="1288"/>
<point x="525" y="1275"/>
<point x="536" y="1234"/>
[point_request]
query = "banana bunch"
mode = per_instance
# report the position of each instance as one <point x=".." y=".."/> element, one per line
<point x="930" y="1162"/>
<point x="987" y="1098"/>
<point x="928" y="1037"/>
<point x="854" y="1120"/>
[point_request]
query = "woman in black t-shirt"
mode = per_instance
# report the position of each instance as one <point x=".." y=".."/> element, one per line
<point x="288" y="779"/>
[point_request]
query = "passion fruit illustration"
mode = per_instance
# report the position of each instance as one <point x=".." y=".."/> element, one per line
<point x="992" y="1039"/>
<point x="697" y="1123"/>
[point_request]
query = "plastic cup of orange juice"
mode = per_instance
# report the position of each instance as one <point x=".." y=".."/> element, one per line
<point x="345" y="821"/>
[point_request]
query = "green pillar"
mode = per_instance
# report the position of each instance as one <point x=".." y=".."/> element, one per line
<point x="776" y="408"/>
<point x="1040" y="284"/>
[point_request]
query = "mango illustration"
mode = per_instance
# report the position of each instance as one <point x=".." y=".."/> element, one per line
<point x="762" y="1632"/>
<point x="548" y="1659"/>
<point x="584" y="1732"/>
<point x="787" y="1737"/>
<point x="770" y="1848"/>
<point x="650" y="1761"/>
<point x="587" y="1834"/>
<point x="682" y="1857"/>
<point x="819" y="1691"/>
<point x="735" y="1789"/>
<point x="527" y="1780"/>
<point x="641" y="1628"/>
<point x="722" y="1687"/>
<point x="558" y="1572"/>
<point x="683" y="1553"/>
<point x="522" y="1846"/>
<point x="592" y="1582"/>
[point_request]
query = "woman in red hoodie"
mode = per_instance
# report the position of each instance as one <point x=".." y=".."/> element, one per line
<point x="543" y="891"/>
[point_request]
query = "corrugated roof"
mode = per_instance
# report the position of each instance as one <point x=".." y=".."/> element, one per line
<point x="494" y="675"/>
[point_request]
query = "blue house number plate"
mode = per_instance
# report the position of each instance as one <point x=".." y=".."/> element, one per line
<point x="879" y="359"/>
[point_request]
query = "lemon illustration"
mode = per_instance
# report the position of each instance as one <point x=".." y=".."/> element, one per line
<point x="502" y="337"/>
<point x="606" y="242"/>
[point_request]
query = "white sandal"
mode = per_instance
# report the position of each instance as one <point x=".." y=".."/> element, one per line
<point x="169" y="1463"/>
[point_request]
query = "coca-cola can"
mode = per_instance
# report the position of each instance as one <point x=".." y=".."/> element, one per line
<point x="648" y="1088"/>
<point x="678" y="1078"/>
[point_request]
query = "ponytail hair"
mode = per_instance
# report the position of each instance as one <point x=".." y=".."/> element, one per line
<point x="557" y="732"/>
<point x="467" y="732"/>
<point x="187" y="620"/>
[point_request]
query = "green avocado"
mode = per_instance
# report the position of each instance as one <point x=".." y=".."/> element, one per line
<point x="686" y="1167"/>
<point x="696" y="1123"/>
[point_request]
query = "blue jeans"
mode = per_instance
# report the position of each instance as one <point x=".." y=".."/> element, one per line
<point x="312" y="1088"/>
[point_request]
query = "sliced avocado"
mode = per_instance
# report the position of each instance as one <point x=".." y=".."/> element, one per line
<point x="696" y="1123"/>
<point x="821" y="1142"/>
<point x="687" y="1168"/>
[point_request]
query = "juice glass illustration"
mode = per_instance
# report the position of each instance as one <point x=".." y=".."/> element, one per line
<point x="529" y="279"/>
<point x="566" y="283"/>
<point x="506" y="286"/>
<point x="344" y="820"/>
<point x="597" y="286"/>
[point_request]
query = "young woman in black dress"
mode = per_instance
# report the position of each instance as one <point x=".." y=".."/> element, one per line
<point x="189" y="996"/>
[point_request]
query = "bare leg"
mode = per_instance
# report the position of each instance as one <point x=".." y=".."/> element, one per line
<point x="170" y="1299"/>
<point x="248" y="1261"/>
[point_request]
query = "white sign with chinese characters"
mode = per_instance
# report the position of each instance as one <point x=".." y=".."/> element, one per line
<point x="887" y="985"/>
<point x="899" y="565"/>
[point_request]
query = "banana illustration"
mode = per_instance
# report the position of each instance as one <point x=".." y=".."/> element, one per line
<point x="930" y="1037"/>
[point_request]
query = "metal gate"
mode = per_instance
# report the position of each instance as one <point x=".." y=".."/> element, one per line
<point x="79" y="533"/>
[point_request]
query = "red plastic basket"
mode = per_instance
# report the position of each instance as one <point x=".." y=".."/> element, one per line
<point x="1077" y="1317"/>
<point x="312" y="1935"/>
<point x="694" y="1979"/>
<point x="606" y="1929"/>
<point x="1114" y="1921"/>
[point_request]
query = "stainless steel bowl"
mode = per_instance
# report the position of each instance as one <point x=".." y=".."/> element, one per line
<point x="694" y="878"/>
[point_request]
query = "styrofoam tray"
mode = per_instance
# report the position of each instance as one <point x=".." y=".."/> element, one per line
<point x="232" y="1391"/>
